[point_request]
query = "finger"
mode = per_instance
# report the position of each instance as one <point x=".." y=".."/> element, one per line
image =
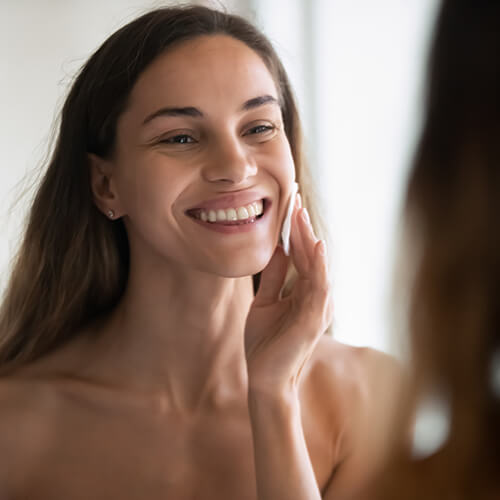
<point x="298" y="252"/>
<point x="321" y="278"/>
<point x="295" y="238"/>
<point x="298" y="201"/>
<point x="308" y="236"/>
<point x="272" y="278"/>
<point x="303" y="241"/>
<point x="321" y="289"/>
<point x="315" y="302"/>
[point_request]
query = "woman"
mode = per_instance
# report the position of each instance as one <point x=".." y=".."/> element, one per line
<point x="138" y="362"/>
<point x="452" y="210"/>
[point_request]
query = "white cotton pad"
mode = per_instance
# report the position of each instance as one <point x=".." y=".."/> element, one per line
<point x="287" y="223"/>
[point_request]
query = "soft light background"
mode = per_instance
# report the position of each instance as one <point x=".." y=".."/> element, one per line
<point x="356" y="66"/>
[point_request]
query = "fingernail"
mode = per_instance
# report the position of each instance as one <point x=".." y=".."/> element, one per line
<point x="298" y="201"/>
<point x="305" y="215"/>
<point x="322" y="247"/>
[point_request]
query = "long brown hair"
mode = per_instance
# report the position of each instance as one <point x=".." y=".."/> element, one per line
<point x="72" y="266"/>
<point x="452" y="214"/>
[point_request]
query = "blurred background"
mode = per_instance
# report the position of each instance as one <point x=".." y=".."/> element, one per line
<point x="356" y="67"/>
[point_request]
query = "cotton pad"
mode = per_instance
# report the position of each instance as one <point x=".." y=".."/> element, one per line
<point x="287" y="223"/>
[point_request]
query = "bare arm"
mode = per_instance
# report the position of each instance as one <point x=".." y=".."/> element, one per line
<point x="282" y="464"/>
<point x="362" y="387"/>
<point x="280" y="336"/>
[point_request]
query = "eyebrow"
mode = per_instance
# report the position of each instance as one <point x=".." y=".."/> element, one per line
<point x="259" y="101"/>
<point x="187" y="111"/>
<point x="196" y="113"/>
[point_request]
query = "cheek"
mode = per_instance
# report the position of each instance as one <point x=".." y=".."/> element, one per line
<point x="283" y="166"/>
<point x="277" y="161"/>
<point x="147" y="197"/>
<point x="282" y="169"/>
<point x="146" y="190"/>
<point x="289" y="173"/>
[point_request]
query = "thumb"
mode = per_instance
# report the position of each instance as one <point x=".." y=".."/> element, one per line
<point x="272" y="279"/>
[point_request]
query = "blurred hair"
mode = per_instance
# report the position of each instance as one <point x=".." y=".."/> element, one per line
<point x="452" y="212"/>
<point x="72" y="266"/>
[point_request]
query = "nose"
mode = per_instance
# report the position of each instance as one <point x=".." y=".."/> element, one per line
<point x="230" y="162"/>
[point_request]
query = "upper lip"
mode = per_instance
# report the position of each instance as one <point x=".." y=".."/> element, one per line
<point x="233" y="200"/>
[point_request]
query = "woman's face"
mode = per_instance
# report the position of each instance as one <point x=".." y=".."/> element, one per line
<point x="203" y="139"/>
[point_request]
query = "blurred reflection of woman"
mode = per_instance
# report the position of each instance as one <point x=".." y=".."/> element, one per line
<point x="452" y="212"/>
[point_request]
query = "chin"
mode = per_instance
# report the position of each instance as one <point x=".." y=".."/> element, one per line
<point x="243" y="264"/>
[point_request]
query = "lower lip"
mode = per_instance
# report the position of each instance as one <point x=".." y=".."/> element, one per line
<point x="236" y="228"/>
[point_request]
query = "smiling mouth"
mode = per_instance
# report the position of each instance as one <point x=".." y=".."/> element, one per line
<point x="231" y="216"/>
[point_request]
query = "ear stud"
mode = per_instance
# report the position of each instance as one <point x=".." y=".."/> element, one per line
<point x="111" y="214"/>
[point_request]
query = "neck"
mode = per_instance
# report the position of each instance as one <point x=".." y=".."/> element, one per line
<point x="179" y="333"/>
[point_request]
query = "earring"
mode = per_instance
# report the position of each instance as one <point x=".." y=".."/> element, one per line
<point x="111" y="214"/>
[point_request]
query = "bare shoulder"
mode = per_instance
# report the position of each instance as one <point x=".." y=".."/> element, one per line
<point x="32" y="412"/>
<point x="355" y="385"/>
<point x="361" y="381"/>
<point x="24" y="433"/>
<point x="351" y="374"/>
<point x="23" y="403"/>
<point x="361" y="387"/>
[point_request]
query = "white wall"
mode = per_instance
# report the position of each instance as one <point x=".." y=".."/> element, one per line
<point x="356" y="66"/>
<point x="371" y="57"/>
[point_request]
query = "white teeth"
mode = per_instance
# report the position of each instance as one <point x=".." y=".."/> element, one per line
<point x="242" y="213"/>
<point x="259" y="207"/>
<point x="233" y="214"/>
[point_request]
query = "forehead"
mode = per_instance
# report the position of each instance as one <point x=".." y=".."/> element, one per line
<point x="215" y="69"/>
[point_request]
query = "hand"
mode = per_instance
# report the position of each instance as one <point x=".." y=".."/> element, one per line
<point x="281" y="333"/>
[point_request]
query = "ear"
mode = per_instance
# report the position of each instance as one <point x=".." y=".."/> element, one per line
<point x="102" y="185"/>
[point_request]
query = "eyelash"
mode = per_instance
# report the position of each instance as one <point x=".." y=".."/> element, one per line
<point x="185" y="139"/>
<point x="180" y="139"/>
<point x="267" y="128"/>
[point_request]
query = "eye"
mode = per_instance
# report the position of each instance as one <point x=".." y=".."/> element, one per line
<point x="260" y="129"/>
<point x="179" y="139"/>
